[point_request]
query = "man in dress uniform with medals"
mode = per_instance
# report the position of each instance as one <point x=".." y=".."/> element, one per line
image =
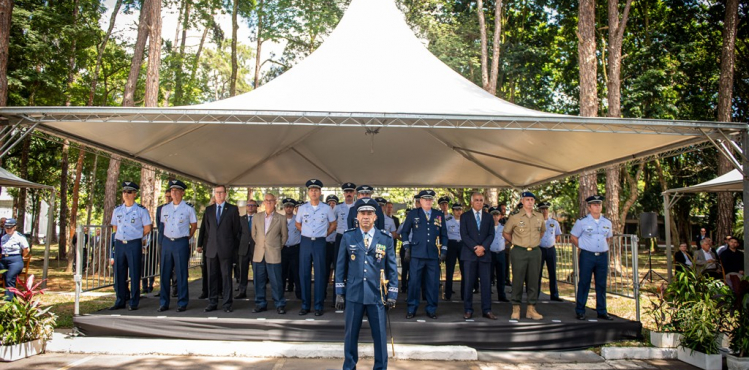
<point x="370" y="257"/>
<point x="428" y="245"/>
<point x="131" y="223"/>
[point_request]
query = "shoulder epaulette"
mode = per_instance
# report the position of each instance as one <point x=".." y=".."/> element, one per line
<point x="581" y="218"/>
<point x="385" y="232"/>
<point x="140" y="205"/>
<point x="351" y="229"/>
<point x="190" y="204"/>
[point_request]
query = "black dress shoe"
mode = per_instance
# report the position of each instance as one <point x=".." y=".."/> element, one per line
<point x="410" y="315"/>
<point x="557" y="299"/>
<point x="259" y="309"/>
<point x="490" y="316"/>
<point x="162" y="309"/>
<point x="467" y="315"/>
<point x="281" y="310"/>
<point x="202" y="296"/>
<point x="431" y="315"/>
<point x="289" y="289"/>
<point x="503" y="300"/>
<point x="132" y="308"/>
<point x="113" y="308"/>
<point x="303" y="312"/>
<point x="174" y="293"/>
<point x="210" y="308"/>
<point x="228" y="309"/>
<point x="240" y="296"/>
<point x="580" y="316"/>
<point x="318" y="312"/>
<point x="181" y="309"/>
<point x="605" y="317"/>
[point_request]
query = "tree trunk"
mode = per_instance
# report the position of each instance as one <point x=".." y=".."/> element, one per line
<point x="250" y="192"/>
<point x="71" y="58"/>
<point x="484" y="56"/>
<point x="495" y="48"/>
<point x="90" y="202"/>
<point x="22" y="192"/>
<point x="724" y="224"/>
<point x="74" y="207"/>
<point x="148" y="173"/>
<point x="63" y="242"/>
<point x="128" y="99"/>
<point x="100" y="52"/>
<point x="196" y="63"/>
<point x="492" y="196"/>
<point x="259" y="43"/>
<point x="6" y="12"/>
<point x="633" y="193"/>
<point x="586" y="49"/>
<point x="664" y="186"/>
<point x="234" y="64"/>
<point x="110" y="201"/>
<point x="179" y="91"/>
<point x="37" y="216"/>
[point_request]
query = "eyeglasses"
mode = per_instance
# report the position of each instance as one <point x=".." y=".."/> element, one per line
<point x="128" y="192"/>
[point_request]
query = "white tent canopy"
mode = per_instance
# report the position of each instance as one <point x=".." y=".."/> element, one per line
<point x="731" y="181"/>
<point x="371" y="105"/>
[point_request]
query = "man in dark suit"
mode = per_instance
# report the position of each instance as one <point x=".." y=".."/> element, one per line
<point x="219" y="235"/>
<point x="477" y="234"/>
<point x="246" y="248"/>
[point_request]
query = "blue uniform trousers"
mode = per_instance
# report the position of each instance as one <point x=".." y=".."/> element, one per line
<point x="453" y="254"/>
<point x="127" y="258"/>
<point x="499" y="261"/>
<point x="14" y="265"/>
<point x="590" y="265"/>
<point x="175" y="254"/>
<point x="264" y="271"/>
<point x="426" y="271"/>
<point x="312" y="251"/>
<point x="549" y="257"/>
<point x="376" y="316"/>
<point x="482" y="270"/>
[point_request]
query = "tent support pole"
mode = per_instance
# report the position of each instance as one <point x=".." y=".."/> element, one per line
<point x="725" y="152"/>
<point x="745" y="197"/>
<point x="667" y="221"/>
<point x="48" y="237"/>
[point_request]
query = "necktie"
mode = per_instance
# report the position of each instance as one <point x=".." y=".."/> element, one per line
<point x="366" y="241"/>
<point x="427" y="214"/>
<point x="478" y="220"/>
<point x="249" y="221"/>
<point x="218" y="213"/>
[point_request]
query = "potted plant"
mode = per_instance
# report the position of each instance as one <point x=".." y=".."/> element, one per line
<point x="24" y="325"/>
<point x="698" y="315"/>
<point x="661" y="310"/>
<point x="739" y="332"/>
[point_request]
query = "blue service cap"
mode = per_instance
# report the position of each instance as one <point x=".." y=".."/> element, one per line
<point x="443" y="200"/>
<point x="176" y="184"/>
<point x="129" y="185"/>
<point x="365" y="204"/>
<point x="527" y="194"/>
<point x="288" y="201"/>
<point x="427" y="194"/>
<point x="544" y="205"/>
<point x="314" y="183"/>
<point x="364" y="189"/>
<point x="457" y="206"/>
<point x="331" y="197"/>
<point x="348" y="186"/>
<point x="493" y="210"/>
<point x="10" y="222"/>
<point x="381" y="200"/>
<point x="593" y="199"/>
<point x="417" y="197"/>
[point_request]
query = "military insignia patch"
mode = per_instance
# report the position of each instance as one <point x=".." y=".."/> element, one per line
<point x="353" y="257"/>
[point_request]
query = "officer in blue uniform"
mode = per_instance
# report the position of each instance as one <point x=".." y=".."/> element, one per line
<point x="368" y="256"/>
<point x="389" y="222"/>
<point x="330" y="245"/>
<point x="180" y="223"/>
<point x="592" y="235"/>
<point x="454" y="245"/>
<point x="14" y="248"/>
<point x="316" y="221"/>
<point x="365" y="191"/>
<point x="549" y="250"/>
<point x="427" y="247"/>
<point x="131" y="223"/>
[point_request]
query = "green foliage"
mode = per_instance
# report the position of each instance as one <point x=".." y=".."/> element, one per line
<point x="738" y="306"/>
<point x="22" y="319"/>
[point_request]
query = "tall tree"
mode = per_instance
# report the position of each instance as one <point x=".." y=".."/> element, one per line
<point x="724" y="225"/>
<point x="148" y="173"/>
<point x="71" y="59"/>
<point x="234" y="65"/>
<point x="74" y="207"/>
<point x="588" y="63"/>
<point x="100" y="52"/>
<point x="490" y="69"/>
<point x="179" y="73"/>
<point x="63" y="241"/>
<point x="260" y="39"/>
<point x="614" y="63"/>
<point x="6" y="14"/>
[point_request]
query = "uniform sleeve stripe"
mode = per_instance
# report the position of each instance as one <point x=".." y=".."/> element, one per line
<point x="340" y="285"/>
<point x="394" y="290"/>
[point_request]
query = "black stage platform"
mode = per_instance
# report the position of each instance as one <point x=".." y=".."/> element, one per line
<point x="559" y="330"/>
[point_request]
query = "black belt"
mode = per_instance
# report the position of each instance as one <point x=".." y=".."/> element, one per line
<point x="528" y="248"/>
<point x="314" y="238"/>
<point x="176" y="239"/>
<point x="595" y="253"/>
<point x="453" y="240"/>
<point x="289" y="246"/>
<point x="128" y="241"/>
<point x="9" y="255"/>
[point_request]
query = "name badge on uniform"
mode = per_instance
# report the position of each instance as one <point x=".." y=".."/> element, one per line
<point x="353" y="257"/>
<point x="166" y="217"/>
<point x="132" y="220"/>
<point x="416" y="222"/>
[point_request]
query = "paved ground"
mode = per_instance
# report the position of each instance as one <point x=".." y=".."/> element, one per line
<point x="514" y="361"/>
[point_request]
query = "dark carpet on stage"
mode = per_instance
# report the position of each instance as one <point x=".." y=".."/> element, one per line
<point x="559" y="330"/>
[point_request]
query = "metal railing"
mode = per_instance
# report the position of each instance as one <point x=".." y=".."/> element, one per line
<point x="623" y="267"/>
<point x="96" y="272"/>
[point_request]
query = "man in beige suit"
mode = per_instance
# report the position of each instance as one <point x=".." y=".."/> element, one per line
<point x="269" y="232"/>
<point x="706" y="261"/>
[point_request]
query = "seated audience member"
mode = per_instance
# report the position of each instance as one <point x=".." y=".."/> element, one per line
<point x="682" y="258"/>
<point x="724" y="246"/>
<point x="732" y="258"/>
<point x="706" y="261"/>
